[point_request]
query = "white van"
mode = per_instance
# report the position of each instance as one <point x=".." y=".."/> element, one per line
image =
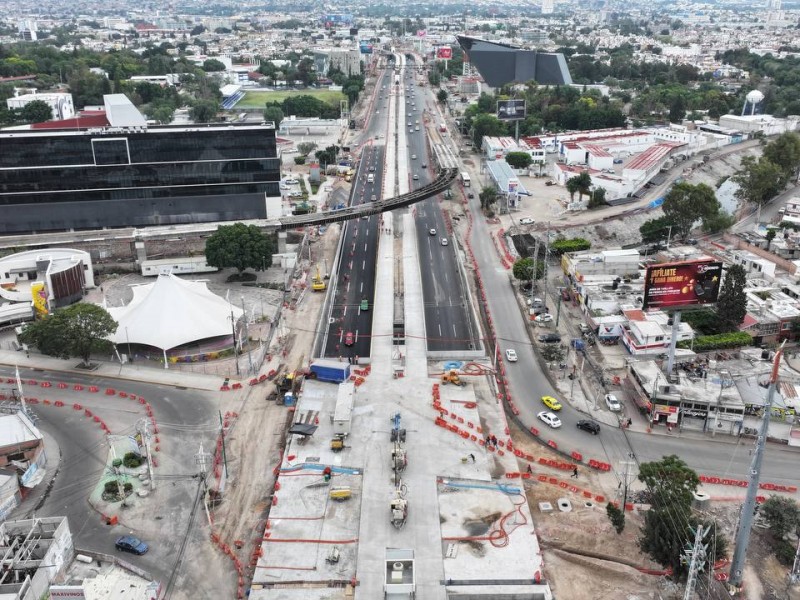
<point x="371" y="178"/>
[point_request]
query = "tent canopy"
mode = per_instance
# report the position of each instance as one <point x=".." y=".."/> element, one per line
<point x="172" y="312"/>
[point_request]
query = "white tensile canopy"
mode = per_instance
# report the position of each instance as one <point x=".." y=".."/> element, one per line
<point x="172" y="312"/>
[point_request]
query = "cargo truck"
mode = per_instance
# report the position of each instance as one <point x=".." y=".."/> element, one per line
<point x="330" y="370"/>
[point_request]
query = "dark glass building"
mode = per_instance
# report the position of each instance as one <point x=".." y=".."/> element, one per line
<point x="500" y="64"/>
<point x="135" y="176"/>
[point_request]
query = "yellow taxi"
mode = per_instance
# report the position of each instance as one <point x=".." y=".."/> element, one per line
<point x="551" y="403"/>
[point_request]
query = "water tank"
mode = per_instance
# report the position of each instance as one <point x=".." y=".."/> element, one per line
<point x="701" y="501"/>
<point x="755" y="97"/>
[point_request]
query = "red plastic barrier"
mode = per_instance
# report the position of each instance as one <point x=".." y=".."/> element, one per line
<point x="577" y="456"/>
<point x="123" y="395"/>
<point x="62" y="386"/>
<point x="77" y="387"/>
<point x="58" y="403"/>
<point x="552" y="444"/>
<point x="77" y="406"/>
<point x="46" y="384"/>
<point x="237" y="386"/>
<point x="109" y="391"/>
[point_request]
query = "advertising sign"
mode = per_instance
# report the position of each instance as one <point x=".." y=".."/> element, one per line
<point x="676" y="285"/>
<point x="444" y="53"/>
<point x="337" y="20"/>
<point x="39" y="297"/>
<point x="510" y="110"/>
<point x="73" y="592"/>
<point x="365" y="47"/>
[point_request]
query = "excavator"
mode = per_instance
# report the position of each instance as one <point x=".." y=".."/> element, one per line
<point x="317" y="282"/>
<point x="452" y="377"/>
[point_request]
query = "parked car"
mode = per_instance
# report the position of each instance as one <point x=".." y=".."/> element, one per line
<point x="511" y="355"/>
<point x="618" y="161"/>
<point x="128" y="543"/>
<point x="526" y="221"/>
<point x="584" y="328"/>
<point x="589" y="426"/>
<point x="550" y="338"/>
<point x="613" y="403"/>
<point x="550" y="419"/>
<point x="551" y="403"/>
<point x="349" y="339"/>
<point x="543" y="318"/>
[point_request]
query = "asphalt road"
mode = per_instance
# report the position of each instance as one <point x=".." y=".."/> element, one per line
<point x="721" y="457"/>
<point x="84" y="453"/>
<point x="448" y="319"/>
<point x="350" y="330"/>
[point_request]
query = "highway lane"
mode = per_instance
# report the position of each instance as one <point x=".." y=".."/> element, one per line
<point x="350" y="329"/>
<point x="448" y="319"/>
<point x="719" y="457"/>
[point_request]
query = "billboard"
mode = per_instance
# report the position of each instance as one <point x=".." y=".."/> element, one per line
<point x="510" y="110"/>
<point x="337" y="20"/>
<point x="444" y="53"/>
<point x="365" y="48"/>
<point x="680" y="284"/>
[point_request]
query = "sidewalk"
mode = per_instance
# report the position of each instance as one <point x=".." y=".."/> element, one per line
<point x="128" y="372"/>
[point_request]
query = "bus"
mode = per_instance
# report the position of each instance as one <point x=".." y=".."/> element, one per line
<point x="465" y="180"/>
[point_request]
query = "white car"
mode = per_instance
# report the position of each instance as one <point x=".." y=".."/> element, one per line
<point x="432" y="231"/>
<point x="444" y="241"/>
<point x="413" y="157"/>
<point x="550" y="419"/>
<point x="290" y="181"/>
<point x="613" y="403"/>
<point x="511" y="355"/>
<point x="526" y="221"/>
<point x="543" y="318"/>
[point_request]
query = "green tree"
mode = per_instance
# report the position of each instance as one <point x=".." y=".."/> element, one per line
<point x="719" y="222"/>
<point x="677" y="110"/>
<point x="759" y="181"/>
<point x="484" y="125"/>
<point x="771" y="233"/>
<point x="306" y="148"/>
<point x="327" y="156"/>
<point x="523" y="269"/>
<point x="669" y="523"/>
<point x="654" y="230"/>
<point x="519" y="160"/>
<point x="441" y="96"/>
<point x="274" y="114"/>
<point x="732" y="301"/>
<point x="782" y="515"/>
<point x="240" y="246"/>
<point x="77" y="330"/>
<point x="204" y="111"/>
<point x="36" y="111"/>
<point x="581" y="184"/>
<point x="597" y="198"/>
<point x="784" y="151"/>
<point x="686" y="203"/>
<point x="616" y="516"/>
<point x="487" y="196"/>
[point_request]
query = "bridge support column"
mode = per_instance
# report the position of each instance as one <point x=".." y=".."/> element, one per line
<point x="281" y="242"/>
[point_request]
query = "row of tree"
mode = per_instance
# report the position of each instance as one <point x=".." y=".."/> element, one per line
<point x="760" y="180"/>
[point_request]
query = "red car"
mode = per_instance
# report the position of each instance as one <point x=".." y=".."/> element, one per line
<point x="349" y="338"/>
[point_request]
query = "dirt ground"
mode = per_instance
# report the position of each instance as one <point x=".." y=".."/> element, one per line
<point x="256" y="440"/>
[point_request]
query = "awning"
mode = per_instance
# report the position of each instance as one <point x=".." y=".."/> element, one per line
<point x="302" y="429"/>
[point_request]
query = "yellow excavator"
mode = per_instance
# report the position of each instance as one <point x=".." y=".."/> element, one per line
<point x="317" y="282"/>
<point x="452" y="377"/>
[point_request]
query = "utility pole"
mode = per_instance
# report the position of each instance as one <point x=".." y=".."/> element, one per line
<point x="224" y="453"/>
<point x="626" y="464"/>
<point x="749" y="506"/>
<point x="696" y="557"/>
<point x="546" y="254"/>
<point x="202" y="458"/>
<point x="235" y="351"/>
<point x="247" y="337"/>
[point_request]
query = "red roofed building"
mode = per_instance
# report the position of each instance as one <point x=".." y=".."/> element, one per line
<point x="87" y="119"/>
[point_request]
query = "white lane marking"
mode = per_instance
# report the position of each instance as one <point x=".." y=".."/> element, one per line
<point x="362" y="287"/>
<point x="365" y="247"/>
<point x="363" y="264"/>
<point x="455" y="333"/>
<point x="440" y="330"/>
<point x="348" y="286"/>
<point x="344" y="313"/>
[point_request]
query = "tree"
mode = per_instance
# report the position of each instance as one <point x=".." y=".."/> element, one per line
<point x="581" y="183"/>
<point x="240" y="246"/>
<point x="204" y="111"/>
<point x="655" y="230"/>
<point x="597" y="198"/>
<point x="441" y="96"/>
<point x="784" y="151"/>
<point x="484" y="125"/>
<point x="677" y="110"/>
<point x="771" y="233"/>
<point x="524" y="267"/>
<point x="487" y="196"/>
<point x="212" y="65"/>
<point x="306" y="148"/>
<point x="669" y="522"/>
<point x="759" y="181"/>
<point x="685" y="204"/>
<point x="274" y="114"/>
<point x="36" y="111"/>
<point x="782" y="515"/>
<point x="732" y="300"/>
<point x="327" y="156"/>
<point x="519" y="160"/>
<point x="616" y="516"/>
<point x="77" y="330"/>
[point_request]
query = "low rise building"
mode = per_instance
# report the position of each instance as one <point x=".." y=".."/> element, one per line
<point x="650" y="332"/>
<point x="60" y="103"/>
